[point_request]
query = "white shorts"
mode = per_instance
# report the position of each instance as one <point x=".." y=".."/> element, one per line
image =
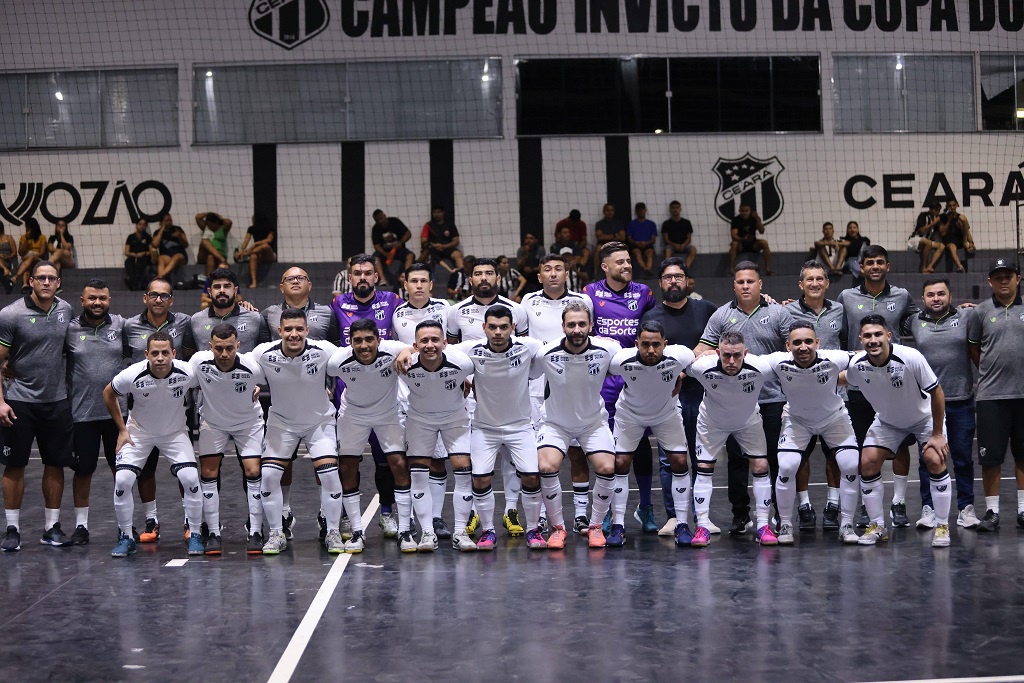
<point x="669" y="433"/>
<point x="836" y="434"/>
<point x="175" y="447"/>
<point x="321" y="441"/>
<point x="518" y="442"/>
<point x="596" y="438"/>
<point x="887" y="437"/>
<point x="353" y="437"/>
<point x="711" y="440"/>
<point x="421" y="439"/>
<point x="248" y="440"/>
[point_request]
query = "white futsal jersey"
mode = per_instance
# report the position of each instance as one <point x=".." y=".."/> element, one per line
<point x="898" y="391"/>
<point x="501" y="381"/>
<point x="466" y="318"/>
<point x="646" y="396"/>
<point x="406" y="318"/>
<point x="437" y="398"/>
<point x="573" y="381"/>
<point x="371" y="391"/>
<point x="545" y="313"/>
<point x="298" y="385"/>
<point x="227" y="403"/>
<point x="729" y="400"/>
<point x="158" y="405"/>
<point x="812" y="393"/>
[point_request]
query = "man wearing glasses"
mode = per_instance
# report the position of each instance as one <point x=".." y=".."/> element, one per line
<point x="295" y="288"/>
<point x="34" y="401"/>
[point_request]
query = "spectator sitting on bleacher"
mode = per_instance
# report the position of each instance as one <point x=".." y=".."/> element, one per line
<point x="341" y="284"/>
<point x="574" y="251"/>
<point x="389" y="235"/>
<point x="8" y="259"/>
<point x="528" y="259"/>
<point x="439" y="240"/>
<point x="925" y="236"/>
<point x="641" y="235"/>
<point x="61" y="246"/>
<point x="458" y="282"/>
<point x="855" y="243"/>
<point x="139" y="256"/>
<point x="577" y="228"/>
<point x="213" y="249"/>
<point x="511" y="282"/>
<point x="955" y="234"/>
<point x="608" y="229"/>
<point x="171" y="244"/>
<point x="744" y="230"/>
<point x="258" y="246"/>
<point x="677" y="234"/>
<point x="830" y="252"/>
<point x="32" y="249"/>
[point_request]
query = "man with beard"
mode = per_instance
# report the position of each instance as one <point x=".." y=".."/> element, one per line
<point x="223" y="292"/>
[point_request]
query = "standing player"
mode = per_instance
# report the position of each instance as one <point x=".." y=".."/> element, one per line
<point x="34" y="402"/>
<point x="897" y="381"/>
<point x="809" y="378"/>
<point x="95" y="354"/>
<point x="651" y="373"/>
<point x="574" y="370"/>
<point x="223" y="290"/>
<point x="229" y="411"/>
<point x="156" y="420"/>
<point x="618" y="305"/>
<point x="733" y="382"/>
<point x="296" y="372"/>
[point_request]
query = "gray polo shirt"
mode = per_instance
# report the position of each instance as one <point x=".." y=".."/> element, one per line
<point x="893" y="303"/>
<point x="138" y="328"/>
<point x="34" y="339"/>
<point x="943" y="343"/>
<point x="764" y="331"/>
<point x="1000" y="332"/>
<point x="323" y="324"/>
<point x="828" y="324"/>
<point x="95" y="354"/>
<point x="246" y="322"/>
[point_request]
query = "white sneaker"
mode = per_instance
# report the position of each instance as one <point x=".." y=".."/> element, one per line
<point x="333" y="542"/>
<point x="927" y="520"/>
<point x="346" y="528"/>
<point x="389" y="524"/>
<point x="873" y="534"/>
<point x="406" y="543"/>
<point x="356" y="543"/>
<point x="967" y="518"/>
<point x="941" y="537"/>
<point x="785" y="534"/>
<point x="462" y="542"/>
<point x="276" y="543"/>
<point x="712" y="527"/>
<point x="428" y="541"/>
<point x="669" y="529"/>
<point x="848" y="535"/>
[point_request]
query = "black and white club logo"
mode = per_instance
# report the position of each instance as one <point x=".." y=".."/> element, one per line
<point x="288" y="23"/>
<point x="752" y="181"/>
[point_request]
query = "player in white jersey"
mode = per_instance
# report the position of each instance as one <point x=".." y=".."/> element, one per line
<point x="437" y="407"/>
<point x="732" y="381"/>
<point x="465" y="323"/>
<point x="296" y="371"/>
<point x="229" y="411"/>
<point x="544" y="310"/>
<point x="502" y="366"/>
<point x="652" y="375"/>
<point x="156" y="420"/>
<point x="371" y="405"/>
<point x="809" y="377"/>
<point x="420" y="306"/>
<point x="574" y="370"/>
<point x="907" y="398"/>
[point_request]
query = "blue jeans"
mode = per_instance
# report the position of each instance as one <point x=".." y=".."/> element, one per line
<point x="689" y="404"/>
<point x="960" y="425"/>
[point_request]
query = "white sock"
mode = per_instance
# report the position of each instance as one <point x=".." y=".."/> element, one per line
<point x="899" y="488"/>
<point x="270" y="488"/>
<point x="330" y="495"/>
<point x="580" y="499"/>
<point x="211" y="504"/>
<point x="124" y="503"/>
<point x="286" y="499"/>
<point x="13" y="517"/>
<point x="353" y="509"/>
<point x="510" y="479"/>
<point x="603" y="489"/>
<point x="702" y="489"/>
<point x="255" y="501"/>
<point x="193" y="499"/>
<point x="82" y="517"/>
<point x="403" y="503"/>
<point x="1020" y="501"/>
<point x="802" y="497"/>
<point x="941" y="496"/>
<point x="763" y="497"/>
<point x="484" y="501"/>
<point x="419" y="477"/>
<point x="785" y="486"/>
<point x="52" y="516"/>
<point x="462" y="499"/>
<point x="681" y="496"/>
<point x="848" y="458"/>
<point x="531" y="508"/>
<point x="438" y="485"/>
<point x="620" y="493"/>
<point x="872" y="493"/>
<point x="833" y="495"/>
<point x="551" y="489"/>
<point x="992" y="503"/>
<point x="149" y="509"/>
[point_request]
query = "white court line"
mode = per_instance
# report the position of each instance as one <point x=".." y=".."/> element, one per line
<point x="300" y="639"/>
<point x="981" y="679"/>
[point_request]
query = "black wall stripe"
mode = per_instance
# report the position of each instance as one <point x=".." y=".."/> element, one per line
<point x="353" y="198"/>
<point x="264" y="180"/>
<point x="442" y="177"/>
<point x="617" y="164"/>
<point x="531" y="188"/>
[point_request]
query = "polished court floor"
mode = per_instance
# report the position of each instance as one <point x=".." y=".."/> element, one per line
<point x="818" y="611"/>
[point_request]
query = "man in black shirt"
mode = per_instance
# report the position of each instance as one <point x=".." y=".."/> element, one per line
<point x="440" y="240"/>
<point x="258" y="246"/>
<point x="743" y="230"/>
<point x="677" y="235"/>
<point x="139" y="256"/>
<point x="389" y="235"/>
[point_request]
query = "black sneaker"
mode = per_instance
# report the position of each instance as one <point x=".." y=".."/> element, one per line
<point x="1020" y="520"/>
<point x="11" y="541"/>
<point x="204" y="532"/>
<point x="441" y="529"/>
<point x="254" y="545"/>
<point x="861" y="521"/>
<point x="898" y="515"/>
<point x="990" y="522"/>
<point x="289" y="521"/>
<point x="740" y="525"/>
<point x="80" y="536"/>
<point x="830" y="517"/>
<point x="213" y="545"/>
<point x="321" y="523"/>
<point x="581" y="525"/>
<point x="808" y="518"/>
<point x="55" y="536"/>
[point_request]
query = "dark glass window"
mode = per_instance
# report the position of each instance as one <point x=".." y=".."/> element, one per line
<point x="796" y="94"/>
<point x="1002" y="92"/>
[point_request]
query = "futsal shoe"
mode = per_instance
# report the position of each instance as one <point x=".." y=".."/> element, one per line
<point x="254" y="544"/>
<point x="830" y="517"/>
<point x="670" y="527"/>
<point x="873" y="535"/>
<point x="595" y="537"/>
<point x="712" y="527"/>
<point x="334" y="543"/>
<point x="765" y="535"/>
<point x="287" y="523"/>
<point x="428" y="541"/>
<point x="862" y="521"/>
<point x="543" y="525"/>
<point x="80" y="536"/>
<point x="702" y="537"/>
<point x="55" y="536"/>
<point x="990" y="522"/>
<point x="808" y="518"/>
<point x="556" y="541"/>
<point x="683" y="535"/>
<point x="535" y="540"/>
<point x="355" y="544"/>
<point x="462" y="542"/>
<point x="511" y="522"/>
<point x="195" y="545"/>
<point x="388" y="523"/>
<point x="740" y="526"/>
<point x="276" y="543"/>
<point x="473" y="523"/>
<point x="606" y="525"/>
<point x="941" y="537"/>
<point x="580" y="525"/>
<point x="617" y="537"/>
<point x="967" y="518"/>
<point x="848" y="535"/>
<point x="645" y="515"/>
<point x="345" y="528"/>
<point x="785" y="535"/>
<point x="441" y="529"/>
<point x="898" y="515"/>
<point x="213" y="545"/>
<point x="406" y="543"/>
<point x="125" y="546"/>
<point x="488" y="540"/>
<point x="927" y="520"/>
<point x="151" y="534"/>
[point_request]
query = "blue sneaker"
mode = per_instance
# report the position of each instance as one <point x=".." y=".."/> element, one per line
<point x="195" y="544"/>
<point x="645" y="515"/>
<point x="125" y="546"/>
<point x="683" y="535"/>
<point x="616" y="537"/>
<point x="606" y="525"/>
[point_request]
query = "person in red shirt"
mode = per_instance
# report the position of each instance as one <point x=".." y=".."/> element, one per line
<point x="577" y="228"/>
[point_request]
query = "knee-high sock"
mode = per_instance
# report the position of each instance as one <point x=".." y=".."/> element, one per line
<point x="510" y="479"/>
<point x="192" y="501"/>
<point x="531" y="507"/>
<point x="286" y="499"/>
<point x="124" y="503"/>
<point x="255" y="500"/>
<point x="484" y="501"/>
<point x="681" y="496"/>
<point x="620" y="493"/>
<point x="872" y="489"/>
<point x="785" y="485"/>
<point x="403" y="504"/>
<point x="211" y="503"/>
<point x="941" y="495"/>
<point x="462" y="499"/>
<point x="849" y="494"/>
<point x="551" y="489"/>
<point x="702" y="489"/>
<point x="580" y="498"/>
<point x="438" y="484"/>
<point x="330" y="495"/>
<point x="271" y="490"/>
<point x="353" y="508"/>
<point x="603" y="489"/>
<point x="899" y="488"/>
<point x="763" y="496"/>
<point x="419" y="477"/>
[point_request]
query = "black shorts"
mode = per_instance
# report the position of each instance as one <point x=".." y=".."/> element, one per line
<point x="1000" y="422"/>
<point x="88" y="436"/>
<point x="48" y="424"/>
<point x="751" y="246"/>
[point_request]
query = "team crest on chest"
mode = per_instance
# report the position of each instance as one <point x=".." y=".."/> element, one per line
<point x="891" y="306"/>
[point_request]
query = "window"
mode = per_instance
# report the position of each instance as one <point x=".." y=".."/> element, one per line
<point x="1002" y="92"/>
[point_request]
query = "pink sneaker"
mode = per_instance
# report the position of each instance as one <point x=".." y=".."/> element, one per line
<point x="702" y="538"/>
<point x="535" y="540"/>
<point x="765" y="536"/>
<point x="487" y="540"/>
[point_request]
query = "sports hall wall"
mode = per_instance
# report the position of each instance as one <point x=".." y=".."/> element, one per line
<point x="878" y="179"/>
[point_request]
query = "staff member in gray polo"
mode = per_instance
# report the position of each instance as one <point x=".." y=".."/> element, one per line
<point x="996" y="337"/>
<point x="295" y="288"/>
<point x="34" y="402"/>
<point x="224" y="309"/>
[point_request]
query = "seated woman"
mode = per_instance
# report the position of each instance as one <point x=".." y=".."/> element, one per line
<point x="8" y="259"/>
<point x="213" y="249"/>
<point x="258" y="246"/>
<point x="171" y="244"/>
<point x="61" y="246"/>
<point x="139" y="256"/>
<point x="32" y="249"/>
